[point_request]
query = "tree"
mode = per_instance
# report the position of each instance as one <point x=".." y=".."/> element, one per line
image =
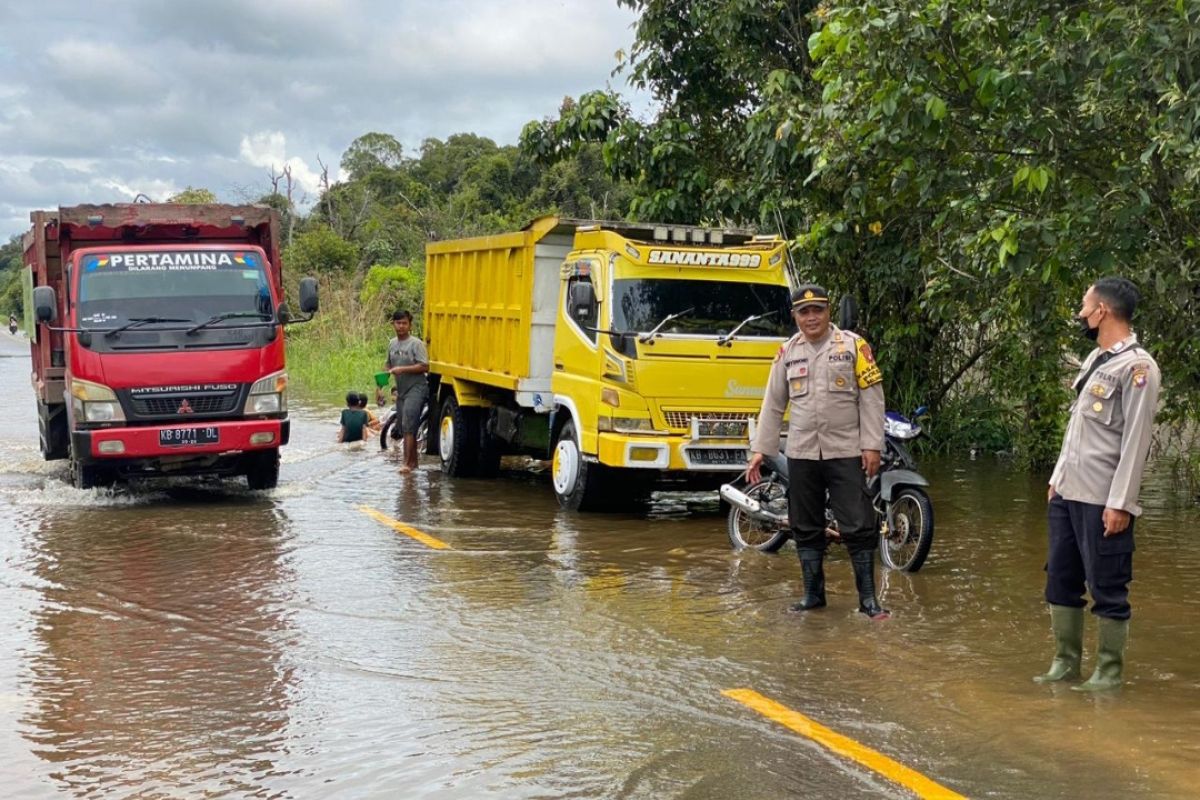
<point x="966" y="169"/>
<point x="320" y="250"/>
<point x="372" y="151"/>
<point x="193" y="196"/>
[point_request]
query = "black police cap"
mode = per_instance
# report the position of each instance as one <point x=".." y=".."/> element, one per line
<point x="809" y="294"/>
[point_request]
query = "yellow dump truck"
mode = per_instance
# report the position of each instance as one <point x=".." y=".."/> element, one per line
<point x="632" y="355"/>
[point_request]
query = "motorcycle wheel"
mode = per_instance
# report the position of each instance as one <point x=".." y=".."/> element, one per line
<point x="905" y="539"/>
<point x="747" y="532"/>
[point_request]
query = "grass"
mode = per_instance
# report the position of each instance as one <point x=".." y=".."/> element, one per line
<point x="341" y="349"/>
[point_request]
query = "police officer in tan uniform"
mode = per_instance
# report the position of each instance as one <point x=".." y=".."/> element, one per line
<point x="1093" y="493"/>
<point x="828" y="381"/>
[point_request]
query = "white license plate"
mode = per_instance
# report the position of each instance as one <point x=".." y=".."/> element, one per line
<point x="183" y="437"/>
<point x="733" y="458"/>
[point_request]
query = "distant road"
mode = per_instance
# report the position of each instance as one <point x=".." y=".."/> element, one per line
<point x="13" y="345"/>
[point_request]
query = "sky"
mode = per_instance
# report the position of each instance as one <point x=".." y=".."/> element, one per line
<point x="102" y="101"/>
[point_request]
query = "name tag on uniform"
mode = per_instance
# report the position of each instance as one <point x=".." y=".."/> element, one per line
<point x="797" y="368"/>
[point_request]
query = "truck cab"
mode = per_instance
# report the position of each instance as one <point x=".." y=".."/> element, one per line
<point x="159" y="346"/>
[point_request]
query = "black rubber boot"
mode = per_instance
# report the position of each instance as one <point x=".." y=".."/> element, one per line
<point x="812" y="567"/>
<point x="1067" y="624"/>
<point x="864" y="578"/>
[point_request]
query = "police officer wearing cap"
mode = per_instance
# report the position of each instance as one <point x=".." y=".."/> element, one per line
<point x="1093" y="493"/>
<point x="827" y="379"/>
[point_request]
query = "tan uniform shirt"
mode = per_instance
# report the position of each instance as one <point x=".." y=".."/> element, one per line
<point x="1108" y="436"/>
<point x="833" y="392"/>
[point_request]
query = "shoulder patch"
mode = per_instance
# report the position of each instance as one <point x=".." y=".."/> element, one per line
<point x="865" y="369"/>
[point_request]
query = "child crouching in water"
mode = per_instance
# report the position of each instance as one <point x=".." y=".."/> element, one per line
<point x="357" y="422"/>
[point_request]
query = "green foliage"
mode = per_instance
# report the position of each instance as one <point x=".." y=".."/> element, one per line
<point x="193" y="196"/>
<point x="320" y="250"/>
<point x="11" y="298"/>
<point x="396" y="287"/>
<point x="966" y="169"/>
<point x="342" y="347"/>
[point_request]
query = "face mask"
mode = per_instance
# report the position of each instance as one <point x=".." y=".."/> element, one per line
<point x="1087" y="330"/>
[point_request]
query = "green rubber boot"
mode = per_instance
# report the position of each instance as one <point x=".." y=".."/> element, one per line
<point x="1067" y="624"/>
<point x="1110" y="656"/>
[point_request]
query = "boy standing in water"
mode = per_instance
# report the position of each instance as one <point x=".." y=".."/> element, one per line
<point x="408" y="361"/>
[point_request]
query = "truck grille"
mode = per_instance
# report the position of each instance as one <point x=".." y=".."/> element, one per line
<point x="164" y="406"/>
<point x="682" y="420"/>
<point x="193" y="405"/>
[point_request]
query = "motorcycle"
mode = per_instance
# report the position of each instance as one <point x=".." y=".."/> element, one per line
<point x="12" y="327"/>
<point x="390" y="430"/>
<point x="758" y="514"/>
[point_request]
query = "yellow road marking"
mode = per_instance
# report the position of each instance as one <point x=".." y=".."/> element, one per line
<point x="842" y="745"/>
<point x="407" y="530"/>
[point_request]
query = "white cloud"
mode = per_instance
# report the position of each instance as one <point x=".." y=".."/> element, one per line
<point x="269" y="149"/>
<point x="174" y="95"/>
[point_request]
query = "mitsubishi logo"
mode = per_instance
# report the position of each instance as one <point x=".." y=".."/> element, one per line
<point x="185" y="408"/>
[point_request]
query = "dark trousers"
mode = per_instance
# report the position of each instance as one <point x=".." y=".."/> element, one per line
<point x="1080" y="557"/>
<point x="844" y="479"/>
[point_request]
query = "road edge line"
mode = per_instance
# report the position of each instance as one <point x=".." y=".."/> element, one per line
<point x="877" y="762"/>
<point x="424" y="538"/>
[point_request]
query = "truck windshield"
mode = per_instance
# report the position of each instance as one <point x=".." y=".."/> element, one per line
<point x="180" y="284"/>
<point x="717" y="307"/>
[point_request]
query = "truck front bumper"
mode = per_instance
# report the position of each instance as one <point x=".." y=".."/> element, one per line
<point x="673" y="453"/>
<point x="147" y="442"/>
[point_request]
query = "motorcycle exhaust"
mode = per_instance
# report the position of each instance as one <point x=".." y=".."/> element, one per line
<point x="736" y="497"/>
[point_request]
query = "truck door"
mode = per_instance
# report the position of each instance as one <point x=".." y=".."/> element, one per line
<point x="576" y="345"/>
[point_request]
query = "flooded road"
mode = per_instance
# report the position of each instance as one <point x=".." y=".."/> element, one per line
<point x="196" y="639"/>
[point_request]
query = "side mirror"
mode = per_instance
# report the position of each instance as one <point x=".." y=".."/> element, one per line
<point x="309" y="302"/>
<point x="283" y="314"/>
<point x="45" y="304"/>
<point x="582" y="299"/>
<point x="848" y="313"/>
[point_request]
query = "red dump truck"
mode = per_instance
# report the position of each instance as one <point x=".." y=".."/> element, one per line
<point x="157" y="340"/>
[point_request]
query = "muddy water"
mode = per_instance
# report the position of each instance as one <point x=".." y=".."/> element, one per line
<point x="194" y="639"/>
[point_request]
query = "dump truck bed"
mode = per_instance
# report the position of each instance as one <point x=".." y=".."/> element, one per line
<point x="490" y="307"/>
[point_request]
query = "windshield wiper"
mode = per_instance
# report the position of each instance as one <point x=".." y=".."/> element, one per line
<point x="215" y="318"/>
<point x="649" y="337"/>
<point x="137" y="322"/>
<point x="727" y="338"/>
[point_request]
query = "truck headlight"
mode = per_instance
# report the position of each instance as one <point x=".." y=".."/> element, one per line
<point x="102" y="412"/>
<point x="94" y="402"/>
<point x="268" y="395"/>
<point x="633" y="425"/>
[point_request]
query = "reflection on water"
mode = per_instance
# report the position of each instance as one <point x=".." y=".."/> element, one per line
<point x="155" y="661"/>
<point x="212" y="642"/>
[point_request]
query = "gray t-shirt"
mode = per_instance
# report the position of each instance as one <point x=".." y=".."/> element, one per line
<point x="405" y="353"/>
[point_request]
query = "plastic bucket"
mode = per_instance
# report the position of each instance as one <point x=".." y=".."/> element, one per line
<point x="382" y="378"/>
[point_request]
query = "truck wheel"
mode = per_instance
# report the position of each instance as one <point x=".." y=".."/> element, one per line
<point x="577" y="484"/>
<point x="90" y="476"/>
<point x="489" y="450"/>
<point x="262" y="471"/>
<point x="52" y="429"/>
<point x="458" y="439"/>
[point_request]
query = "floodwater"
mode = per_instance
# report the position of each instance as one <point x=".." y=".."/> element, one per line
<point x="196" y="639"/>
